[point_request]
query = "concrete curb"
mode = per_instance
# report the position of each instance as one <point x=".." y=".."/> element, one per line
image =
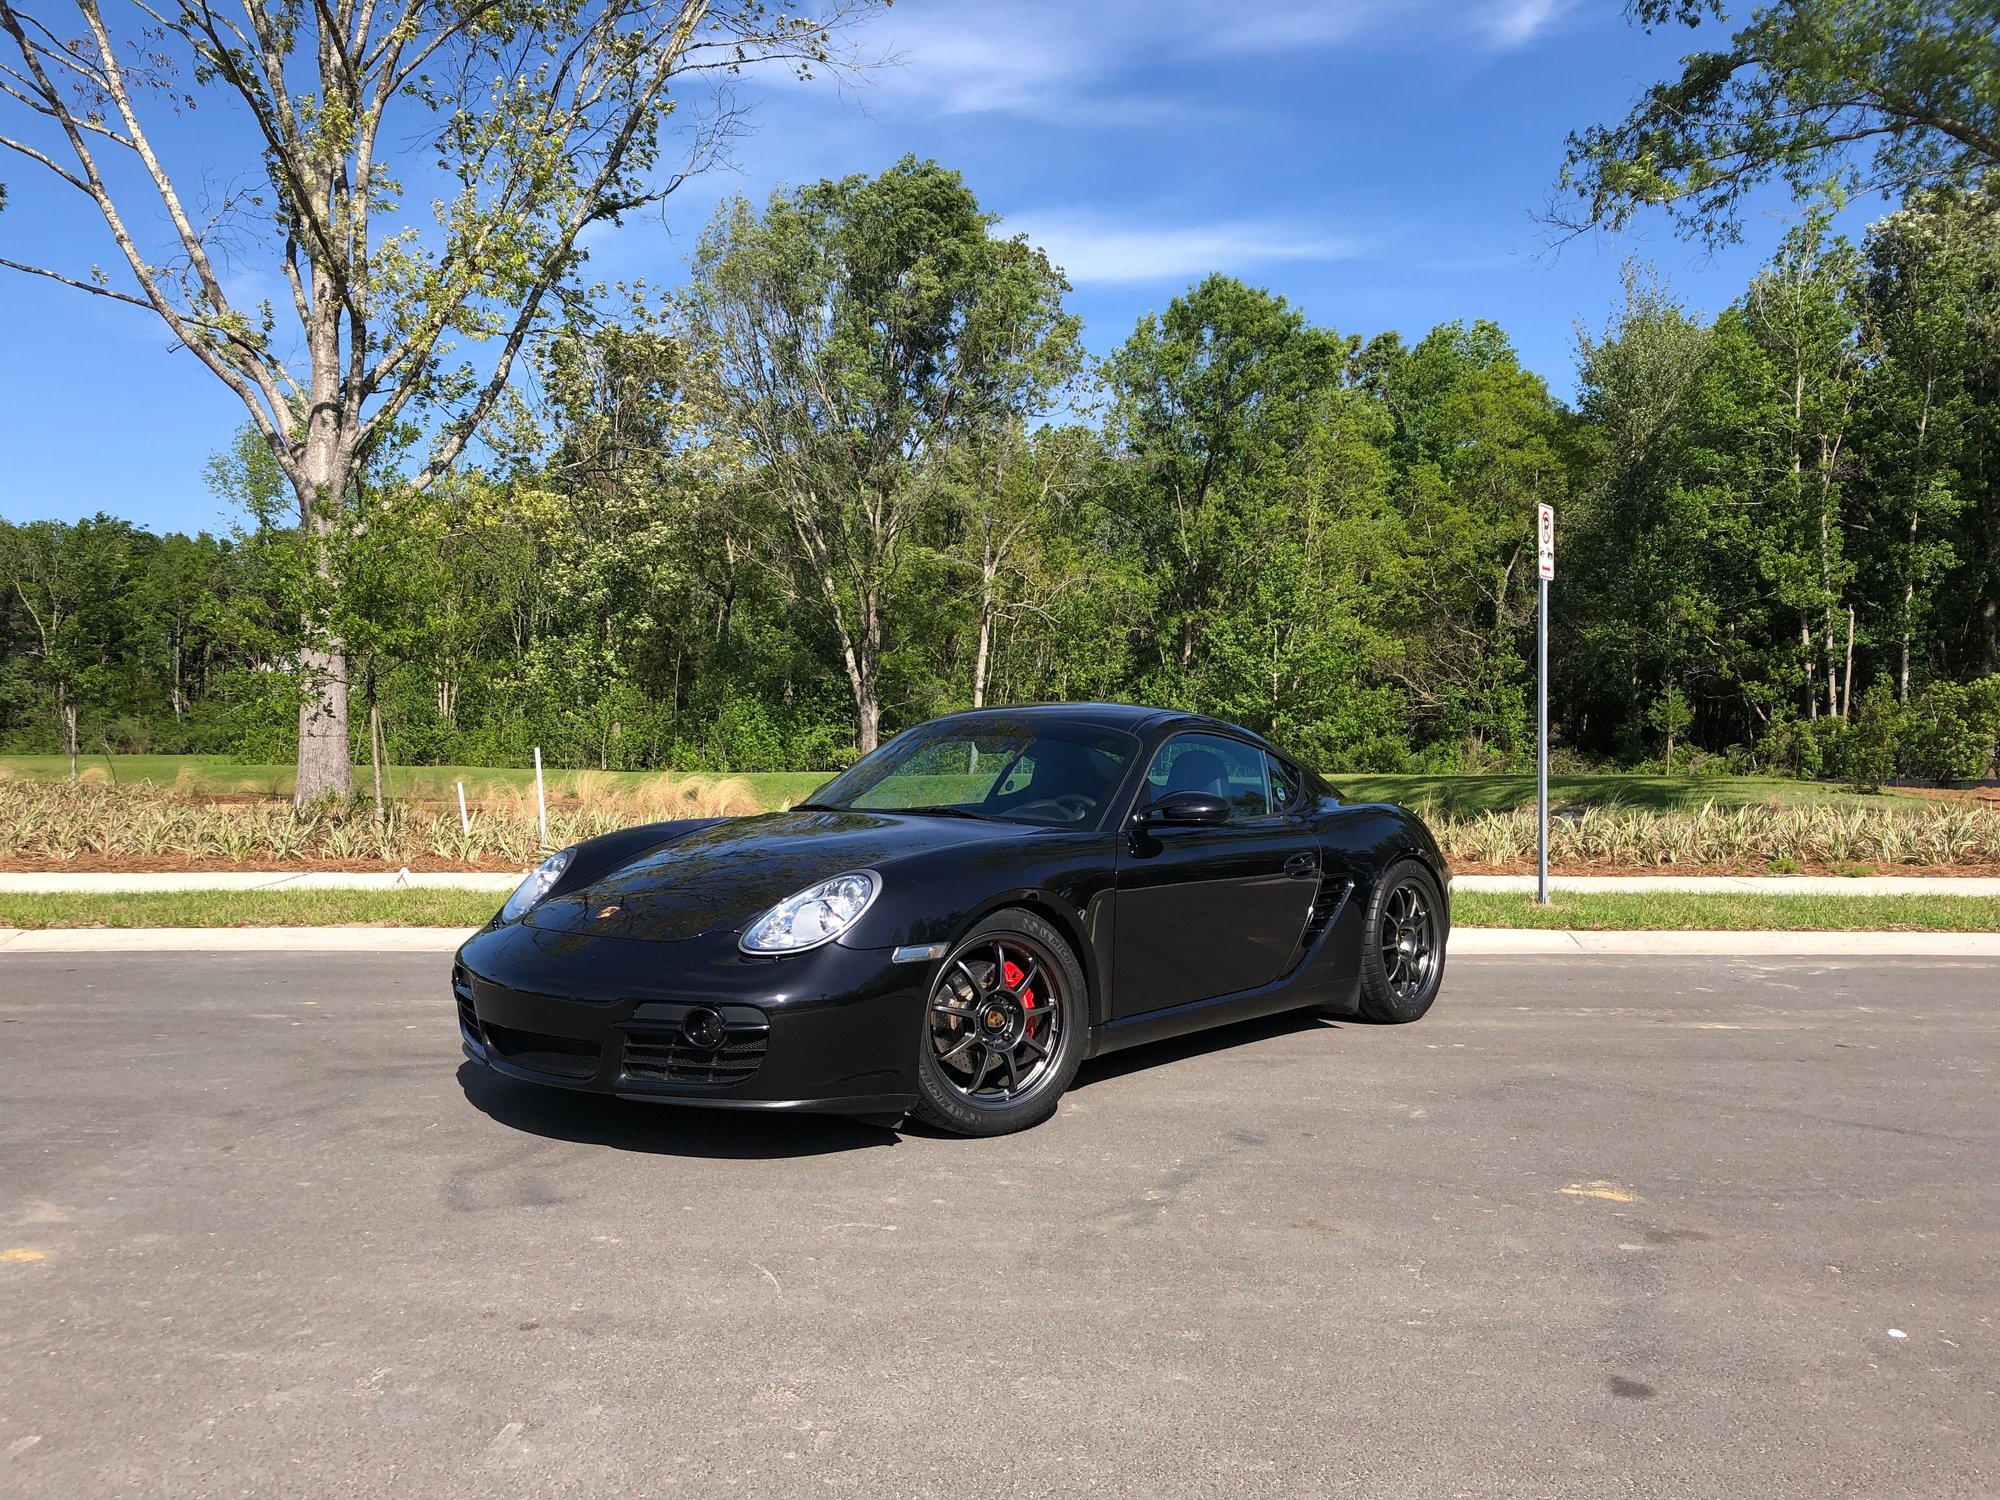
<point x="1502" y="942"/>
<point x="1466" y="942"/>
<point x="233" y="939"/>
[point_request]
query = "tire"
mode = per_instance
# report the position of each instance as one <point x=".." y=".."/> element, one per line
<point x="1004" y="1028"/>
<point x="1402" y="945"/>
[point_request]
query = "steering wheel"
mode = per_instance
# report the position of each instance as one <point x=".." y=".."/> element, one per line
<point x="1070" y="807"/>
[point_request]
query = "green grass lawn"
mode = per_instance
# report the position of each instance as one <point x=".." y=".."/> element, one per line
<point x="407" y="908"/>
<point x="1692" y="911"/>
<point x="1669" y="910"/>
<point x="1457" y="795"/>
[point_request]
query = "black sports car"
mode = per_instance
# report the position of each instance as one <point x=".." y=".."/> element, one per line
<point x="957" y="922"/>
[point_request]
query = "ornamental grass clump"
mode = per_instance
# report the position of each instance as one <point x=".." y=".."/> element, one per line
<point x="1739" y="837"/>
<point x="64" y="822"/>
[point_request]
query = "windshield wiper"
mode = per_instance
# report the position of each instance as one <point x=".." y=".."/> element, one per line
<point x="941" y="812"/>
<point x="814" y="807"/>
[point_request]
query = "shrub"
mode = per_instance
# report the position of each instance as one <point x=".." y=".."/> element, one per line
<point x="1865" y="752"/>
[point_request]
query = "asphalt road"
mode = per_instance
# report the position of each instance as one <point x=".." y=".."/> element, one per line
<point x="1597" y="1227"/>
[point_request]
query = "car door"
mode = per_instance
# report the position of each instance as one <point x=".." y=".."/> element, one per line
<point x="1204" y="911"/>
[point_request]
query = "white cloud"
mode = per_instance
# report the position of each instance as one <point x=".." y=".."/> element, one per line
<point x="1071" y="61"/>
<point x="1092" y="248"/>
<point x="1515" y="23"/>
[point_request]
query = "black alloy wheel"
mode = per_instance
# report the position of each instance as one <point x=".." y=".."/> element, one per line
<point x="1402" y="959"/>
<point x="1003" y="1028"/>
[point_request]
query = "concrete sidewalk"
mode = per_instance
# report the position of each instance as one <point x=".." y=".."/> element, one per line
<point x="39" y="882"/>
<point x="1466" y="942"/>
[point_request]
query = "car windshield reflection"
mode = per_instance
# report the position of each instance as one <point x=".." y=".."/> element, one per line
<point x="1051" y="774"/>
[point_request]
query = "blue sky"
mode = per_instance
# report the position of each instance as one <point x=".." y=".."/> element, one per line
<point x="1375" y="161"/>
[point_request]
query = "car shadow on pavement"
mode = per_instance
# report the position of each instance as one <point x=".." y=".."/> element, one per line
<point x="1201" y="1043"/>
<point x="660" y="1129"/>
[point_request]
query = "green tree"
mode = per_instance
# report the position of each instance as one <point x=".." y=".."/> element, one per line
<point x="1477" y="442"/>
<point x="1793" y="346"/>
<point x="536" y="123"/>
<point x="1648" y="589"/>
<point x="1207" y="399"/>
<point x="68" y="585"/>
<point x="1929" y="274"/>
<point x="1827" y="97"/>
<point x="862" y="329"/>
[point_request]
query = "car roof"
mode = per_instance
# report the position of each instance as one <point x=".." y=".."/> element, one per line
<point x="1132" y="717"/>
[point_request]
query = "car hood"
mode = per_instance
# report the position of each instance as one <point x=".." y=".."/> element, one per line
<point x="721" y="877"/>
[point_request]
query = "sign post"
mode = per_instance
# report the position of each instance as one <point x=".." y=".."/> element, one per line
<point x="1545" y="568"/>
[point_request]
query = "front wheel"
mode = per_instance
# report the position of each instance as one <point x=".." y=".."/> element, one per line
<point x="1402" y="945"/>
<point x="1004" y="1028"/>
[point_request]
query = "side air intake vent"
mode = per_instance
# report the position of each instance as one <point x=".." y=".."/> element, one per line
<point x="1331" y="897"/>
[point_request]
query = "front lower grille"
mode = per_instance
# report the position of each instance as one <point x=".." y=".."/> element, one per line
<point x="563" y="1056"/>
<point x="671" y="1056"/>
<point x="461" y="990"/>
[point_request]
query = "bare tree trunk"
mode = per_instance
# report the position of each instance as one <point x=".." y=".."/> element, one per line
<point x="324" y="769"/>
<point x="868" y="721"/>
<point x="1806" y="649"/>
<point x="1910" y="549"/>
<point x="375" y="754"/>
<point x="1833" y="708"/>
<point x="1847" y="680"/>
<point x="1903" y="666"/>
<point x="867" y="684"/>
<point x="982" y="656"/>
<point x="69" y="733"/>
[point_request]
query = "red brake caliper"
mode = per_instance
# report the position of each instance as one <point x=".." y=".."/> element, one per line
<point x="1012" y="974"/>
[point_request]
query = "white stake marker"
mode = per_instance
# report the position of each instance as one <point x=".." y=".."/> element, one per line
<point x="541" y="802"/>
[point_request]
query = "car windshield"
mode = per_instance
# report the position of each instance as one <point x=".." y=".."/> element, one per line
<point x="1020" y="770"/>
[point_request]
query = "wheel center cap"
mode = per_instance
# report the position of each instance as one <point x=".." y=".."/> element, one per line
<point x="995" y="1018"/>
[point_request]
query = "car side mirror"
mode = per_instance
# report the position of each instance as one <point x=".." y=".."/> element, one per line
<point x="1181" y="809"/>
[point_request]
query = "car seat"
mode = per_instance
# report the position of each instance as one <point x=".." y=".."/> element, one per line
<point x="1198" y="771"/>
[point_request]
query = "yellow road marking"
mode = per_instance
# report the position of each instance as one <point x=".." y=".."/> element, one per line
<point x="1611" y="1192"/>
<point x="21" y="1254"/>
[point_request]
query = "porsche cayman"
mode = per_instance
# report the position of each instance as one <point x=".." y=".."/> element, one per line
<point x="951" y="927"/>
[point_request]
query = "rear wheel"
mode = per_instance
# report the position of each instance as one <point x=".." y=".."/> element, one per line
<point x="1004" y="1028"/>
<point x="1402" y="952"/>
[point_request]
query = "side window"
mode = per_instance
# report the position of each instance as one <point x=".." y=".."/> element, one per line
<point x="1210" y="763"/>
<point x="1284" y="785"/>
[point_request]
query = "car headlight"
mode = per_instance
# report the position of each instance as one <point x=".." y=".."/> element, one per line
<point x="541" y="880"/>
<point x="818" y="914"/>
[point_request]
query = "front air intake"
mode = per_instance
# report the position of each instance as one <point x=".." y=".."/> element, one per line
<point x="703" y="1049"/>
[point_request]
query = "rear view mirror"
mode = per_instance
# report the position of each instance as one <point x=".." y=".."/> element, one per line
<point x="1178" y="809"/>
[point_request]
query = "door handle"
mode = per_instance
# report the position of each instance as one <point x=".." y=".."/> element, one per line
<point x="1302" y="864"/>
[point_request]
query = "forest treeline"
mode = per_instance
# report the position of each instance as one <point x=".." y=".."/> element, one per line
<point x="860" y="471"/>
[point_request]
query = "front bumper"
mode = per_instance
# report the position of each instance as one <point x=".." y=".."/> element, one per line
<point x="696" y="1022"/>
